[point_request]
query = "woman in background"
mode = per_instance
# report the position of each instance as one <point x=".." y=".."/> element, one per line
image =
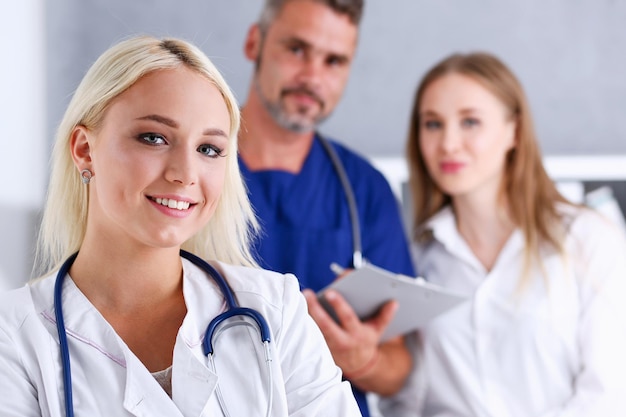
<point x="145" y="163"/>
<point x="543" y="330"/>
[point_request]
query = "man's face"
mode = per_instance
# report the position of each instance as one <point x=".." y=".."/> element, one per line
<point x="302" y="63"/>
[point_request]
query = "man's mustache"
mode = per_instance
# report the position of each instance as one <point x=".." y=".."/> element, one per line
<point x="303" y="90"/>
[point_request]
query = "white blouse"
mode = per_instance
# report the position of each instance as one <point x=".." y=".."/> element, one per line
<point x="557" y="348"/>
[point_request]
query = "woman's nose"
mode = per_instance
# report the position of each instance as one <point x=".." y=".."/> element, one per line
<point x="450" y="139"/>
<point x="181" y="167"/>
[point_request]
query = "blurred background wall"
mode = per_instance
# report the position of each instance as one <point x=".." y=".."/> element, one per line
<point x="569" y="55"/>
<point x="25" y="139"/>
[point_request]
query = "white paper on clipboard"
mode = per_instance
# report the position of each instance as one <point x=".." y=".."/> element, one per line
<point x="366" y="289"/>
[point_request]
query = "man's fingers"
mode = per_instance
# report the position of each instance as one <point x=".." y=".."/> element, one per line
<point x="330" y="329"/>
<point x="384" y="316"/>
<point x="346" y="315"/>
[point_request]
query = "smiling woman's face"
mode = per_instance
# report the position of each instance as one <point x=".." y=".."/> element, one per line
<point x="465" y="133"/>
<point x="158" y="159"/>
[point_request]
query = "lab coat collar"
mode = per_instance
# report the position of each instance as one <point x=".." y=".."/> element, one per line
<point x="189" y="363"/>
<point x="203" y="302"/>
<point x="143" y="395"/>
<point x="83" y="322"/>
<point x="192" y="386"/>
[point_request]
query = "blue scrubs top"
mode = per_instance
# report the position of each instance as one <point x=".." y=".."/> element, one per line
<point x="305" y="220"/>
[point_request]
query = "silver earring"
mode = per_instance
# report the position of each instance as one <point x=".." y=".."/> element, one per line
<point x="85" y="176"/>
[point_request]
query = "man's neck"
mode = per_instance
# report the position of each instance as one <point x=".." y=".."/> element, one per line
<point x="263" y="144"/>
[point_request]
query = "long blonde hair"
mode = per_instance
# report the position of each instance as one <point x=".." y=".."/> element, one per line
<point x="227" y="235"/>
<point x="531" y="194"/>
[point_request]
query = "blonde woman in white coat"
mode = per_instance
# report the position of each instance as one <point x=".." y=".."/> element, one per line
<point x="144" y="165"/>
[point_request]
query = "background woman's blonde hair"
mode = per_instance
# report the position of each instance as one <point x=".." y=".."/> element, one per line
<point x="227" y="235"/>
<point x="531" y="194"/>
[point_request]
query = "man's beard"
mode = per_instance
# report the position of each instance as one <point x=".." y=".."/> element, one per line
<point x="294" y="122"/>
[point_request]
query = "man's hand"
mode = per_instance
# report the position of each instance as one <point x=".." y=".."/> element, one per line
<point x="355" y="344"/>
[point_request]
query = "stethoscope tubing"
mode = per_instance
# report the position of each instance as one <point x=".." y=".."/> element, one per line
<point x="232" y="310"/>
<point x="232" y="307"/>
<point x="357" y="251"/>
<point x="63" y="346"/>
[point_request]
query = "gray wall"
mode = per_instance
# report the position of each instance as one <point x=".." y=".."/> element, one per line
<point x="23" y="167"/>
<point x="569" y="54"/>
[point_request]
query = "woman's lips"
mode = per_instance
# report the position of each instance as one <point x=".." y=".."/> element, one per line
<point x="451" y="167"/>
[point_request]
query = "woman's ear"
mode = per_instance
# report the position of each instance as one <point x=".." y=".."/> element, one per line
<point x="80" y="148"/>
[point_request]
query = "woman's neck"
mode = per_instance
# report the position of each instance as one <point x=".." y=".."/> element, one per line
<point x="139" y="292"/>
<point x="485" y="224"/>
<point x="112" y="276"/>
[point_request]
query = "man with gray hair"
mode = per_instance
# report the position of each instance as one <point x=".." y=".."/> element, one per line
<point x="303" y="51"/>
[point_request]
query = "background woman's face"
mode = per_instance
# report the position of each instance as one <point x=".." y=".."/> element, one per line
<point x="465" y="133"/>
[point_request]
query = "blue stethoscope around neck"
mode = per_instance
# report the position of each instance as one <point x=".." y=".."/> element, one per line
<point x="233" y="309"/>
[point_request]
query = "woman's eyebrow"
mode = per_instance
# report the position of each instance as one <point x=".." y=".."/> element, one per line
<point x="214" y="132"/>
<point x="172" y="123"/>
<point x="160" y="119"/>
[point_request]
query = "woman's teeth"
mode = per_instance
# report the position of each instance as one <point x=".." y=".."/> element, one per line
<point x="171" y="203"/>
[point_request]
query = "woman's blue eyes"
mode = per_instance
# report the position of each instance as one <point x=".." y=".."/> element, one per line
<point x="154" y="139"/>
<point x="432" y="124"/>
<point x="210" y="150"/>
<point x="465" y="123"/>
<point x="470" y="122"/>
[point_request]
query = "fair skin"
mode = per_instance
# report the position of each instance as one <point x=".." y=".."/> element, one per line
<point x="465" y="135"/>
<point x="160" y="139"/>
<point x="303" y="62"/>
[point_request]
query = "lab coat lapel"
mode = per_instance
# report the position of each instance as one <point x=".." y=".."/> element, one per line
<point x="192" y="382"/>
<point x="239" y="356"/>
<point x="192" y="387"/>
<point x="143" y="396"/>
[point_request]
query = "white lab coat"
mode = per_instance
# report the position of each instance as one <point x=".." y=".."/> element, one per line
<point x="109" y="380"/>
<point x="547" y="353"/>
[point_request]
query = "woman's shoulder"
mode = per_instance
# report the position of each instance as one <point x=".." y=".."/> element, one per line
<point x="16" y="308"/>
<point x="275" y="296"/>
<point x="585" y="222"/>
<point x="11" y="300"/>
<point x="255" y="282"/>
<point x="591" y="235"/>
<point x="245" y="278"/>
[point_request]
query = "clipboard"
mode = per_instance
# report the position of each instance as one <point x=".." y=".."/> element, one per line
<point x="366" y="289"/>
